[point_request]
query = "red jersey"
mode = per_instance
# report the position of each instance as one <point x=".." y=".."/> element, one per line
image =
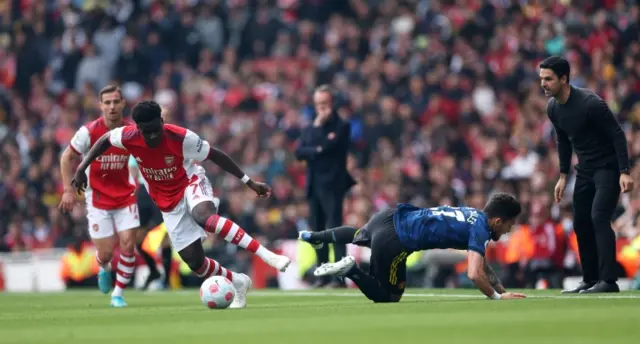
<point x="108" y="185"/>
<point x="169" y="168"/>
<point x="548" y="242"/>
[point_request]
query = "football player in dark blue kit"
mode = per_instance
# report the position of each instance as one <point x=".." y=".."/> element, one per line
<point x="393" y="234"/>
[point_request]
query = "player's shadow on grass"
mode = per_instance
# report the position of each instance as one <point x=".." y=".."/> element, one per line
<point x="436" y="300"/>
<point x="365" y="303"/>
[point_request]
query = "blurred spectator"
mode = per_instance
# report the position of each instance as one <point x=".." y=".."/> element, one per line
<point x="443" y="98"/>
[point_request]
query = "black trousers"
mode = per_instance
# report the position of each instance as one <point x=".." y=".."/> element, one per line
<point x="594" y="200"/>
<point x="388" y="263"/>
<point x="325" y="208"/>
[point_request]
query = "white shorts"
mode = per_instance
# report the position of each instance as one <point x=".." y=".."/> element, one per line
<point x="182" y="229"/>
<point x="106" y="223"/>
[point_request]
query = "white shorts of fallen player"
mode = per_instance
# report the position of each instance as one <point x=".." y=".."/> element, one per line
<point x="182" y="229"/>
<point x="106" y="223"/>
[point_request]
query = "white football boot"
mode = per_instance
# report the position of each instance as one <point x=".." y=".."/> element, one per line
<point x="242" y="283"/>
<point x="336" y="269"/>
<point x="281" y="263"/>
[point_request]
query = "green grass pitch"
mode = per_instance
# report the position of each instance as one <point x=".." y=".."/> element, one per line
<point x="327" y="317"/>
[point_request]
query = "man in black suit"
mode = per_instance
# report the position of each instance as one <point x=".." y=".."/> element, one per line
<point x="324" y="146"/>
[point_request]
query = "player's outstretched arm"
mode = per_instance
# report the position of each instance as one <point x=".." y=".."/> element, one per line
<point x="478" y="275"/>
<point x="101" y="146"/>
<point x="493" y="278"/>
<point x="225" y="162"/>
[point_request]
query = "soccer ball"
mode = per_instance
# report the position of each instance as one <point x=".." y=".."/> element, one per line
<point x="217" y="292"/>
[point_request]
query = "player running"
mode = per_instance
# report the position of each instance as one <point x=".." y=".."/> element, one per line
<point x="110" y="197"/>
<point x="166" y="156"/>
<point x="393" y="234"/>
<point x="150" y="217"/>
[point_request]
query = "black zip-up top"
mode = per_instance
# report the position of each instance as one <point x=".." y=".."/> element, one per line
<point x="585" y="124"/>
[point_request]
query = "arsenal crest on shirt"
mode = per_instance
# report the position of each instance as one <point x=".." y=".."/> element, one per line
<point x="168" y="160"/>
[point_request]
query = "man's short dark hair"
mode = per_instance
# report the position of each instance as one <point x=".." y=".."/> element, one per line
<point x="146" y="111"/>
<point x="558" y="64"/>
<point x="503" y="206"/>
<point x="109" y="89"/>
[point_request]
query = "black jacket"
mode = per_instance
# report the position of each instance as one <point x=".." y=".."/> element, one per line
<point x="325" y="151"/>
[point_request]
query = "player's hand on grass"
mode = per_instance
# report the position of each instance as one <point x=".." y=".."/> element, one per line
<point x="79" y="182"/>
<point x="261" y="189"/>
<point x="626" y="183"/>
<point x="512" y="296"/>
<point x="68" y="201"/>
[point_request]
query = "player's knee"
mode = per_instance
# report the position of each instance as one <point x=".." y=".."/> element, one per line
<point x="140" y="235"/>
<point x="104" y="256"/>
<point x="128" y="242"/>
<point x="202" y="212"/>
<point x="385" y="298"/>
<point x="395" y="297"/>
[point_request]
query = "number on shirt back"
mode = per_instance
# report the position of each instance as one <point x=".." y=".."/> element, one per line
<point x="455" y="213"/>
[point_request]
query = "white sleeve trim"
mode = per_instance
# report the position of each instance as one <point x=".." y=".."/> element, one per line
<point x="195" y="148"/>
<point x="81" y="141"/>
<point x="115" y="137"/>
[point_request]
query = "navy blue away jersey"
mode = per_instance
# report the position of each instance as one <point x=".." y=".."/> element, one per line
<point x="460" y="228"/>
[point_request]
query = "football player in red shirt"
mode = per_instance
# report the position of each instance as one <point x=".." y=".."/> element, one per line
<point x="112" y="211"/>
<point x="166" y="155"/>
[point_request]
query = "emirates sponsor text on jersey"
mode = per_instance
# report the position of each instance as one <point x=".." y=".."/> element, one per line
<point x="159" y="174"/>
<point x="113" y="161"/>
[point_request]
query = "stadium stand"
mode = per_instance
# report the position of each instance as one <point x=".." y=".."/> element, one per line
<point x="443" y="99"/>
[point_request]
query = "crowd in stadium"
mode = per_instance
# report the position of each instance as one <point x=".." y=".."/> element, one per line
<point x="443" y="98"/>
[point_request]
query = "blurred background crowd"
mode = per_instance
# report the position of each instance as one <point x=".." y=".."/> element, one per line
<point x="443" y="98"/>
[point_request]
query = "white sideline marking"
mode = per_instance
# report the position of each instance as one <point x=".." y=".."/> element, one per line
<point x="440" y="296"/>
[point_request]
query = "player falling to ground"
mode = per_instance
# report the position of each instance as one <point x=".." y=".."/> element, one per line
<point x="166" y="156"/>
<point x="393" y="234"/>
<point x="110" y="198"/>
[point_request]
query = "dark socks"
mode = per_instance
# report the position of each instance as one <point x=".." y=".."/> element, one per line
<point x="340" y="235"/>
<point x="368" y="285"/>
<point x="166" y="263"/>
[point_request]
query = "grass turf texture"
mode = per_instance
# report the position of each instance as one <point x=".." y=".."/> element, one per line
<point x="423" y="316"/>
